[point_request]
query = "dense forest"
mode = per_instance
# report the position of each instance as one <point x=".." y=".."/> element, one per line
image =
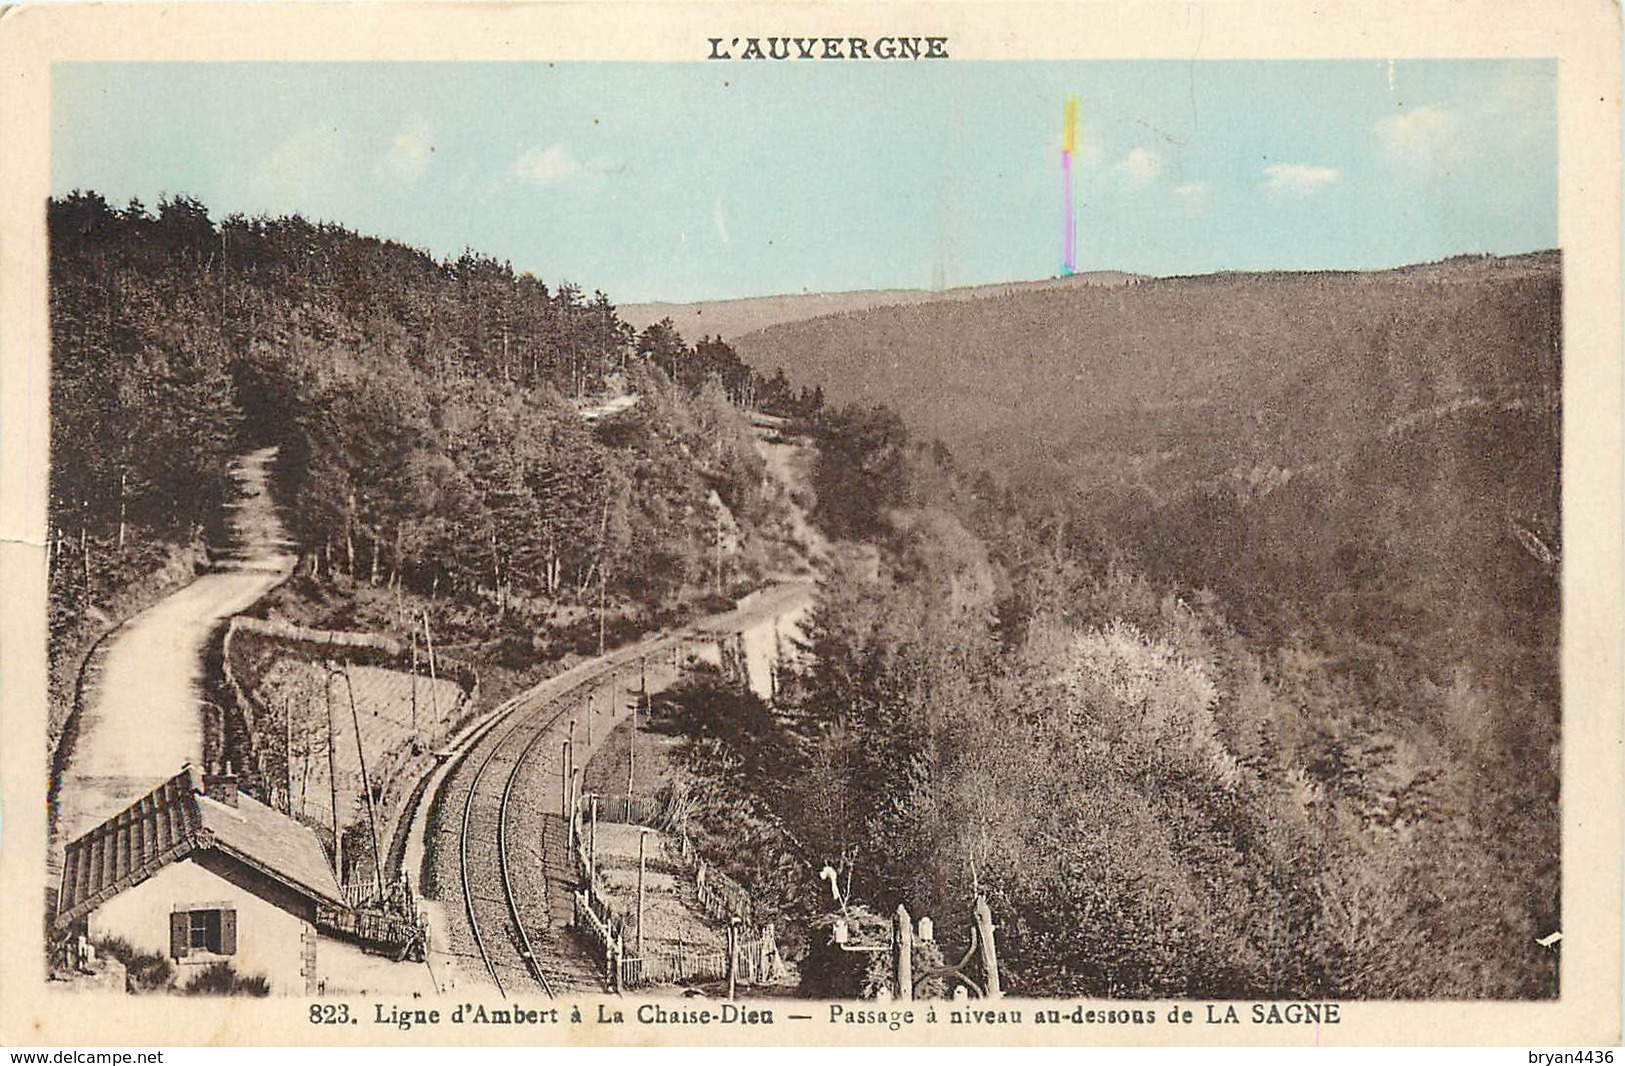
<point x="1243" y="682"/>
<point x="429" y="417"/>
<point x="1156" y="801"/>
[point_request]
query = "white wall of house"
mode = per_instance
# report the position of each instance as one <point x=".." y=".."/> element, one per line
<point x="269" y="938"/>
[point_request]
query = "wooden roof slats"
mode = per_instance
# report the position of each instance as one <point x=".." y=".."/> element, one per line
<point x="119" y="843"/>
<point x="104" y="858"/>
<point x="145" y="826"/>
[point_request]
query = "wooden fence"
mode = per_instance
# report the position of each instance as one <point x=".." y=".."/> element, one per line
<point x="720" y="896"/>
<point x="287" y="631"/>
<point x="395" y="895"/>
<point x="627" y="810"/>
<point x="394" y="935"/>
<point x="384" y="920"/>
<point x="362" y="649"/>
<point x="756" y="961"/>
<point x="723" y="899"/>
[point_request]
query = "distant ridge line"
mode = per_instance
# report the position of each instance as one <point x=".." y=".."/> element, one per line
<point x="733" y="318"/>
<point x="747" y="314"/>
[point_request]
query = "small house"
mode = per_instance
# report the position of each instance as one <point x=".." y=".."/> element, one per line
<point x="201" y="874"/>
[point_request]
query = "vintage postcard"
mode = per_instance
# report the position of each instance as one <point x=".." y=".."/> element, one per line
<point x="920" y="524"/>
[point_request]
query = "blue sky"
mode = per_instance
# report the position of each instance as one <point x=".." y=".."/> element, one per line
<point x="711" y="180"/>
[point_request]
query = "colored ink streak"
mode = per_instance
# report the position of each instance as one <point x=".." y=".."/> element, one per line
<point x="1069" y="262"/>
<point x="1069" y="144"/>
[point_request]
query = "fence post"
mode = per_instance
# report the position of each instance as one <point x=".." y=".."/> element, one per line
<point x="615" y="955"/>
<point x="903" y="951"/>
<point x="575" y="808"/>
<point x="592" y="843"/>
<point x="632" y="757"/>
<point x="733" y="956"/>
<point x="990" y="952"/>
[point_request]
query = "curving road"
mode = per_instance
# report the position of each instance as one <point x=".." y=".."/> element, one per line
<point x="143" y="718"/>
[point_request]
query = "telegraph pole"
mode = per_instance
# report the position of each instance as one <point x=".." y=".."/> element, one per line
<point x="434" y="697"/>
<point x="577" y="778"/>
<point x="567" y="804"/>
<point x="287" y="754"/>
<point x="333" y="790"/>
<point x="603" y="570"/>
<point x="632" y="753"/>
<point x="366" y="786"/>
<point x="643" y="837"/>
<point x="564" y="779"/>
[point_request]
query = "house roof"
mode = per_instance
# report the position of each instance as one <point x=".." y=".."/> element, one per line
<point x="173" y="822"/>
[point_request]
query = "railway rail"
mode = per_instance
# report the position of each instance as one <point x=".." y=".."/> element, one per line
<point x="519" y="939"/>
<point x="484" y="852"/>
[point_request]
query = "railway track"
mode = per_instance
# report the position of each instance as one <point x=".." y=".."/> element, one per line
<point x="513" y="952"/>
<point x="503" y="882"/>
<point x="512" y="853"/>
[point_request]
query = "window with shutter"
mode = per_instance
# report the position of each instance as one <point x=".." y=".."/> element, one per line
<point x="205" y="931"/>
<point x="210" y="931"/>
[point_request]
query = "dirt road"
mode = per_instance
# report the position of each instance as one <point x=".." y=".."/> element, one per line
<point x="144" y="718"/>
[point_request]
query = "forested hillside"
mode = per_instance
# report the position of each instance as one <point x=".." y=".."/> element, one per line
<point x="1144" y="387"/>
<point x="1220" y="649"/>
<point x="1367" y="461"/>
<point x="1208" y="627"/>
<point x="1157" y="801"/>
<point x="429" y="417"/>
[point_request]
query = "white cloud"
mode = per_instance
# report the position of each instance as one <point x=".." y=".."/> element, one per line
<point x="409" y="153"/>
<point x="1140" y="167"/>
<point x="552" y="165"/>
<point x="1423" y="140"/>
<point x="298" y="168"/>
<point x="1093" y="148"/>
<point x="1297" y="179"/>
<point x="547" y="166"/>
<point x="1193" y="196"/>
